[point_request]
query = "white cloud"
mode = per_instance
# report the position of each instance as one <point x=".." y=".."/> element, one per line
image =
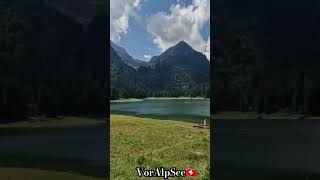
<point x="182" y="23"/>
<point x="120" y="12"/>
<point x="207" y="49"/>
<point x="147" y="56"/>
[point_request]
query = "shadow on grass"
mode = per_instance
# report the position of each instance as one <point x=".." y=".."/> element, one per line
<point x="176" y="117"/>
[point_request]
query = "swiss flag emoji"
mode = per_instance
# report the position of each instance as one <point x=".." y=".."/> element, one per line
<point x="191" y="172"/>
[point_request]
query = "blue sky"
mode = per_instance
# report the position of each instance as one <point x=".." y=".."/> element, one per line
<point x="148" y="27"/>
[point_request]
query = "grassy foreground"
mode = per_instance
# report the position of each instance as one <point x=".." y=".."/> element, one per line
<point x="33" y="174"/>
<point x="150" y="143"/>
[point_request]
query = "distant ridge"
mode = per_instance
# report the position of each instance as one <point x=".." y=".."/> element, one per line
<point x="179" y="71"/>
<point x="126" y="58"/>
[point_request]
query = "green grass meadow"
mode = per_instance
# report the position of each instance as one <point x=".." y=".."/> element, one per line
<point x="150" y="143"/>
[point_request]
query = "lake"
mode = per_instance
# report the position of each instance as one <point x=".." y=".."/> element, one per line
<point x="177" y="109"/>
<point x="79" y="149"/>
<point x="252" y="149"/>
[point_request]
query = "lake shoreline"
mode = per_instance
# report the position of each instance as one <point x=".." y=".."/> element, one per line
<point x="154" y="98"/>
<point x="48" y="125"/>
<point x="41" y="122"/>
<point x="238" y="115"/>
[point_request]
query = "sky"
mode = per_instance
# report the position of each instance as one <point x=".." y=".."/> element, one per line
<point x="146" y="28"/>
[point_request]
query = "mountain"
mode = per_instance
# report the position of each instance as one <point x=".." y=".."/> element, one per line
<point x="126" y="58"/>
<point x="179" y="49"/>
<point x="122" y="76"/>
<point x="179" y="71"/>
